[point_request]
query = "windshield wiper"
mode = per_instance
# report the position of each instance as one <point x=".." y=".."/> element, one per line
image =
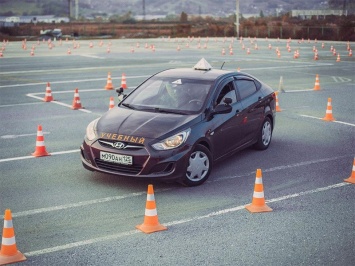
<point x="169" y="111"/>
<point x="128" y="106"/>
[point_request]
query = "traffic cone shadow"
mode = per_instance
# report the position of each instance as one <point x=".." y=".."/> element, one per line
<point x="351" y="178"/>
<point x="258" y="203"/>
<point x="9" y="253"/>
<point x="40" y="147"/>
<point x="151" y="223"/>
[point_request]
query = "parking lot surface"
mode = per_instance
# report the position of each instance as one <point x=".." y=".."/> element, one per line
<point x="65" y="215"/>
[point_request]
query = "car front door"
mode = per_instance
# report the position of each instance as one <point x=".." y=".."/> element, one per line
<point x="253" y="106"/>
<point x="225" y="129"/>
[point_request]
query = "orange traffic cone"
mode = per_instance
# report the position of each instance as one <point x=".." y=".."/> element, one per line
<point x="109" y="85"/>
<point x="151" y="223"/>
<point x="48" y="97"/>
<point x="40" y="147"/>
<point x="9" y="252"/>
<point x="338" y="58"/>
<point x="76" y="101"/>
<point x="317" y="84"/>
<point x="258" y="204"/>
<point x="278" y="109"/>
<point x="123" y="81"/>
<point x="329" y="112"/>
<point x="351" y="178"/>
<point x="112" y="103"/>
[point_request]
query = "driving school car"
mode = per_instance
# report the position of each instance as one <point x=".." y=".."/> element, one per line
<point x="178" y="122"/>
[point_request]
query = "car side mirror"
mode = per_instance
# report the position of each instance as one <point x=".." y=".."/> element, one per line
<point x="121" y="96"/>
<point x="222" y="109"/>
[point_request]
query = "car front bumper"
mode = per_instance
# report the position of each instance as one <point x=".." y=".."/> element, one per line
<point x="147" y="163"/>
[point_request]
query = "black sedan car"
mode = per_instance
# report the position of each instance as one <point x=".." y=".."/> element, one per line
<point x="178" y="122"/>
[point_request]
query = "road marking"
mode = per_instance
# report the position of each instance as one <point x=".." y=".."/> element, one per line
<point x="177" y="222"/>
<point x="59" y="103"/>
<point x="339" y="122"/>
<point x="75" y="205"/>
<point x="80" y="204"/>
<point x="92" y="56"/>
<point x="59" y="92"/>
<point x="32" y="157"/>
<point x="17" y="136"/>
<point x="66" y="81"/>
<point x="341" y="79"/>
<point x="18" y="104"/>
<point x="299" y="90"/>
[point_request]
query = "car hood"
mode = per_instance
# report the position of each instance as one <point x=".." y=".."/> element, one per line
<point x="132" y="123"/>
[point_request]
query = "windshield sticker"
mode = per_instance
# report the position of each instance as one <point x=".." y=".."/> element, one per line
<point x="119" y="137"/>
<point x="178" y="82"/>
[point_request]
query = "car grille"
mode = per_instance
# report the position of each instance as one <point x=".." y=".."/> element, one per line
<point x="121" y="168"/>
<point x="128" y="146"/>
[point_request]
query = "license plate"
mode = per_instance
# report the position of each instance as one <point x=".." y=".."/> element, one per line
<point x="116" y="158"/>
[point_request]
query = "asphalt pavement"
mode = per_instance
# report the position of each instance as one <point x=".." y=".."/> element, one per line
<point x="65" y="215"/>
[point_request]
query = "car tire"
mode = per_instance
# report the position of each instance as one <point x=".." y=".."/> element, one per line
<point x="198" y="167"/>
<point x="264" y="135"/>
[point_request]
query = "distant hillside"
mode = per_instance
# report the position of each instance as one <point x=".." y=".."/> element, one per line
<point x="162" y="7"/>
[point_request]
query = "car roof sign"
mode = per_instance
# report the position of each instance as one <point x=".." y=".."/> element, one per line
<point x="177" y="82"/>
<point x="202" y="65"/>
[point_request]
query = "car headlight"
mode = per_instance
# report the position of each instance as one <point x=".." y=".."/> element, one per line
<point x="91" y="130"/>
<point x="173" y="141"/>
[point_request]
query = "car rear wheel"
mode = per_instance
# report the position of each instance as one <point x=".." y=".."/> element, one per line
<point x="265" y="134"/>
<point x="199" y="166"/>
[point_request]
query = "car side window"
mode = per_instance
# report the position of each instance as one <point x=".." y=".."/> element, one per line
<point x="245" y="87"/>
<point x="228" y="91"/>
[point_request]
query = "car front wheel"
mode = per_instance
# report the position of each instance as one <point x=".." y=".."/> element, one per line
<point x="198" y="167"/>
<point x="264" y="136"/>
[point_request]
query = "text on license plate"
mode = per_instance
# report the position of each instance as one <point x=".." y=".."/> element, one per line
<point x="116" y="158"/>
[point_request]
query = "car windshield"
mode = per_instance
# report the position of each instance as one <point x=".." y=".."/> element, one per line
<point x="169" y="95"/>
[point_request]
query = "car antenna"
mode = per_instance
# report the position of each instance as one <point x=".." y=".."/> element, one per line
<point x="223" y="64"/>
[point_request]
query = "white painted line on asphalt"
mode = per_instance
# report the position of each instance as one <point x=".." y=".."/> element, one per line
<point x="299" y="90"/>
<point x="78" y="204"/>
<point x="339" y="122"/>
<point x="71" y="91"/>
<point x="66" y="81"/>
<point x="19" y="104"/>
<point x="32" y="157"/>
<point x="92" y="56"/>
<point x="80" y="243"/>
<point x="283" y="167"/>
<point x="295" y="107"/>
<point x="59" y="103"/>
<point x="177" y="222"/>
<point x="21" y="135"/>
